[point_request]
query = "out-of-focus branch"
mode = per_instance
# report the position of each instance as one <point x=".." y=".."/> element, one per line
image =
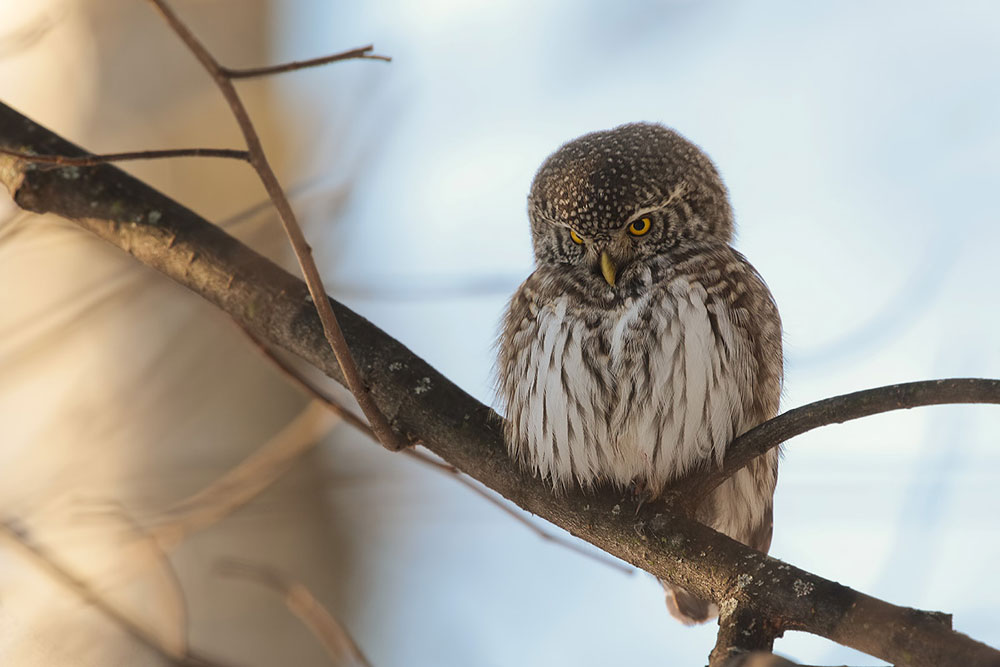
<point x="244" y="482"/>
<point x="144" y="553"/>
<point x="24" y="37"/>
<point x="273" y="305"/>
<point x="337" y="641"/>
<point x="300" y="246"/>
<point x="38" y="554"/>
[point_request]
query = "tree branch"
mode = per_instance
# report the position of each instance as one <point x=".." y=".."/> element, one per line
<point x="93" y="160"/>
<point x="17" y="534"/>
<point x="691" y="490"/>
<point x="314" y="392"/>
<point x="741" y="632"/>
<point x="362" y="53"/>
<point x="300" y="246"/>
<point x="274" y="306"/>
<point x="331" y="633"/>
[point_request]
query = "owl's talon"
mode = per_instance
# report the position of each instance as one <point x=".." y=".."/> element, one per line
<point x="640" y="494"/>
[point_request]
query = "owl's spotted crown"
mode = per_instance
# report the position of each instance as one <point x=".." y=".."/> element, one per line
<point x="598" y="182"/>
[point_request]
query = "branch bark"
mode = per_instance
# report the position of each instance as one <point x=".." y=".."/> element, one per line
<point x="428" y="408"/>
<point x="360" y="53"/>
<point x="92" y="160"/>
<point x="741" y="632"/>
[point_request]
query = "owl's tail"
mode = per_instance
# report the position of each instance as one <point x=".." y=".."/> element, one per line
<point x="687" y="608"/>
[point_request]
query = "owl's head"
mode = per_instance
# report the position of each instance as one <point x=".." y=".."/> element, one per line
<point x="613" y="199"/>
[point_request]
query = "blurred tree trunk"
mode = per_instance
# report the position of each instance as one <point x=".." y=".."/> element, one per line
<point x="122" y="388"/>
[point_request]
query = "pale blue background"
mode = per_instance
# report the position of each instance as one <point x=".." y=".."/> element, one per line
<point x="860" y="143"/>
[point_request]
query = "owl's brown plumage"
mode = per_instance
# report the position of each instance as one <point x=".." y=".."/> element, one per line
<point x="643" y="343"/>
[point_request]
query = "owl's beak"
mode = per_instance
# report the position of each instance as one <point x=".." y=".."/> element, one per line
<point x="608" y="268"/>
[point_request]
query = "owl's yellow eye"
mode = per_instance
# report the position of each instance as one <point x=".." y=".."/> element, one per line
<point x="576" y="237"/>
<point x="640" y="227"/>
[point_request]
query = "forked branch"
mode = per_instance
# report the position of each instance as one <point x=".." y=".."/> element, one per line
<point x="303" y="251"/>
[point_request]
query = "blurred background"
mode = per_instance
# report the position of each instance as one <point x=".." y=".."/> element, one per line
<point x="859" y="143"/>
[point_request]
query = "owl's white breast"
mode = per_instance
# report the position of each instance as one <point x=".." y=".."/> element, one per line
<point x="652" y="390"/>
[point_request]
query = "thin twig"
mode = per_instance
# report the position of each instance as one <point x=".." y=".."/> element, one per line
<point x="300" y="246"/>
<point x="337" y="641"/>
<point x="104" y="158"/>
<point x="519" y="517"/>
<point x="310" y="389"/>
<point x="361" y="53"/>
<point x="16" y="533"/>
<point x="292" y="375"/>
<point x="24" y="37"/>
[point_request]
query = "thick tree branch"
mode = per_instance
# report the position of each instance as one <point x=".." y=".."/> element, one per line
<point x="426" y="406"/>
<point x="93" y="160"/>
<point x="314" y="392"/>
<point x="741" y="632"/>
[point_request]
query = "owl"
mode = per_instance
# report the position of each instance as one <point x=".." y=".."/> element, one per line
<point x="643" y="343"/>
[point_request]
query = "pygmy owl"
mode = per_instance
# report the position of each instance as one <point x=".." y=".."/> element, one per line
<point x="643" y="343"/>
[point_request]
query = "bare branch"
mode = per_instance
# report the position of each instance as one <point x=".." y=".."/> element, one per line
<point x="245" y="481"/>
<point x="303" y="251"/>
<point x="837" y="410"/>
<point x="16" y="534"/>
<point x="93" y="160"/>
<point x="272" y="304"/>
<point x="519" y="517"/>
<point x="364" y="52"/>
<point x="337" y="641"/>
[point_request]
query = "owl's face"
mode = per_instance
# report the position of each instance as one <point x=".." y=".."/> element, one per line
<point x="607" y="203"/>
